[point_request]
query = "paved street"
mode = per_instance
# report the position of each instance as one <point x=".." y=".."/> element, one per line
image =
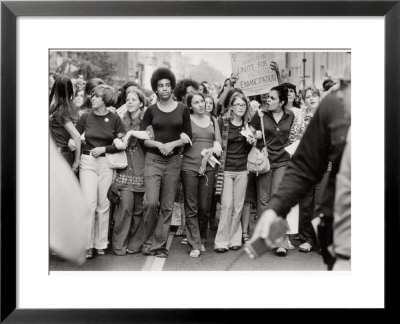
<point x="179" y="260"/>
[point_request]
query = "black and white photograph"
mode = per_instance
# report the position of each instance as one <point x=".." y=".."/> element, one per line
<point x="210" y="160"/>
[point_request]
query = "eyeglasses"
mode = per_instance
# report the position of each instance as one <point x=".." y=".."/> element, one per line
<point x="238" y="105"/>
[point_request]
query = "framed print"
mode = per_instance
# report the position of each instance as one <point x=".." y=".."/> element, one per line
<point x="33" y="30"/>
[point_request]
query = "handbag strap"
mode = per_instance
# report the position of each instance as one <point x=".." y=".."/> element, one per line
<point x="262" y="127"/>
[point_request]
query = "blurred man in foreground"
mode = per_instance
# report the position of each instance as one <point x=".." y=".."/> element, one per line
<point x="323" y="141"/>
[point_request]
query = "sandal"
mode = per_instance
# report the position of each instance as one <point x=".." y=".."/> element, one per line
<point x="194" y="253"/>
<point x="280" y="251"/>
<point x="89" y="254"/>
<point x="100" y="252"/>
<point x="245" y="237"/>
<point x="184" y="241"/>
<point x="305" y="247"/>
<point x="128" y="251"/>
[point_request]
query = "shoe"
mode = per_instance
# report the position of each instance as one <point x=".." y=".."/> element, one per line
<point x="184" y="241"/>
<point x="280" y="251"/>
<point x="203" y="248"/>
<point x="245" y="237"/>
<point x="180" y="232"/>
<point x="100" y="252"/>
<point x="128" y="251"/>
<point x="149" y="253"/>
<point x="234" y="248"/>
<point x="305" y="247"/>
<point x="161" y="254"/>
<point x="221" y="250"/>
<point x="89" y="254"/>
<point x="194" y="253"/>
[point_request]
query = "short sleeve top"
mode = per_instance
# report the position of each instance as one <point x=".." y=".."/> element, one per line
<point x="57" y="129"/>
<point x="167" y="126"/>
<point x="100" y="130"/>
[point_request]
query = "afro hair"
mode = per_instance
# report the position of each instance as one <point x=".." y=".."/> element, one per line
<point x="162" y="73"/>
<point x="181" y="86"/>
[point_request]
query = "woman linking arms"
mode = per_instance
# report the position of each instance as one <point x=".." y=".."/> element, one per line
<point x="128" y="229"/>
<point x="169" y="120"/>
<point x="101" y="129"/>
<point x="197" y="174"/>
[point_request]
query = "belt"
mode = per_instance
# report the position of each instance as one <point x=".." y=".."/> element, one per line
<point x="63" y="149"/>
<point x="87" y="152"/>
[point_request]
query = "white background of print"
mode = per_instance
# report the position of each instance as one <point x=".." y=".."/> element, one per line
<point x="364" y="287"/>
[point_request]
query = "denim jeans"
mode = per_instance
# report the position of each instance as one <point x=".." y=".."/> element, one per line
<point x="129" y="226"/>
<point x="267" y="185"/>
<point x="197" y="191"/>
<point x="230" y="228"/>
<point x="95" y="177"/>
<point x="161" y="180"/>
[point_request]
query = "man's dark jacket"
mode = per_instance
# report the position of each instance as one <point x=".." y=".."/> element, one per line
<point x="323" y="141"/>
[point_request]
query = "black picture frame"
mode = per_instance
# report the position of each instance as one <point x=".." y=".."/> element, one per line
<point x="10" y="10"/>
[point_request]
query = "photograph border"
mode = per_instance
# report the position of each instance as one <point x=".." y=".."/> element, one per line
<point x="11" y="10"/>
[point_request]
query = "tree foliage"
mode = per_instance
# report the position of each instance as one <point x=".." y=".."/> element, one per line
<point x="89" y="64"/>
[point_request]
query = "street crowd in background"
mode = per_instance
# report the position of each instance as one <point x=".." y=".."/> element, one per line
<point x="187" y="143"/>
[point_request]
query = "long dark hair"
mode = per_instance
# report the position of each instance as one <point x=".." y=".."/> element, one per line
<point x="61" y="98"/>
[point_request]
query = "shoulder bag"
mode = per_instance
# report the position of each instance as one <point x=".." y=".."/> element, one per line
<point x="257" y="160"/>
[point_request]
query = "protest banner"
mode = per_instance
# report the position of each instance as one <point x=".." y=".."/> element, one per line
<point x="254" y="72"/>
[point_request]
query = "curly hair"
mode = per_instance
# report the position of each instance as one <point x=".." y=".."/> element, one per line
<point x="181" y="86"/>
<point x="162" y="73"/>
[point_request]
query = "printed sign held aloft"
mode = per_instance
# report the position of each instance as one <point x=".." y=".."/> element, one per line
<point x="255" y="74"/>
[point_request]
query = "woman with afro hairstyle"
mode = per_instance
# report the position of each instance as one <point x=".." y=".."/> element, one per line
<point x="170" y="121"/>
<point x="183" y="88"/>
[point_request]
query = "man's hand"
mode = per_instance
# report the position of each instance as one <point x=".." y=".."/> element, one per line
<point x="271" y="228"/>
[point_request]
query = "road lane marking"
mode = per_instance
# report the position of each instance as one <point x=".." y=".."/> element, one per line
<point x="156" y="264"/>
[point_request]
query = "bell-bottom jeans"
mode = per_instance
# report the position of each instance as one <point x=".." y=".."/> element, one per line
<point x="161" y="180"/>
<point x="95" y="178"/>
<point x="229" y="232"/>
